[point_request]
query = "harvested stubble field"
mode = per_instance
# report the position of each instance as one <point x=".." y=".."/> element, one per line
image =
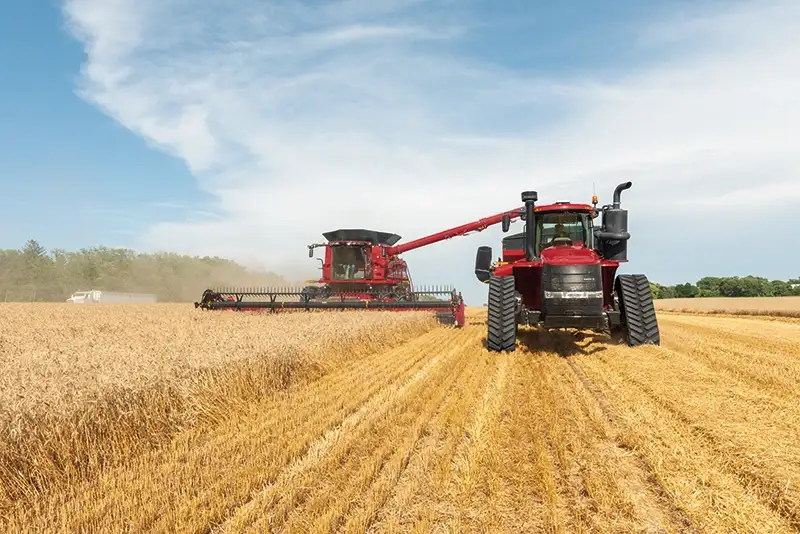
<point x="757" y="306"/>
<point x="425" y="431"/>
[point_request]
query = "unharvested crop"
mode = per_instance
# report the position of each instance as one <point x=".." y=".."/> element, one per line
<point x="85" y="386"/>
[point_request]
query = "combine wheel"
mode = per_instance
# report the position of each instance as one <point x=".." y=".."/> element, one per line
<point x="323" y="293"/>
<point x="309" y="293"/>
<point x="637" y="313"/>
<point x="502" y="314"/>
<point x="446" y="318"/>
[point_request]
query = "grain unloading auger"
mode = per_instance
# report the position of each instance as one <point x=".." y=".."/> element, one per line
<point x="361" y="269"/>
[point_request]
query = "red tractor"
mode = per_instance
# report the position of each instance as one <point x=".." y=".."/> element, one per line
<point x="560" y="273"/>
<point x="362" y="269"/>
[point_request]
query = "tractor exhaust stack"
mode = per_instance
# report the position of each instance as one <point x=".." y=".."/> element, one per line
<point x="618" y="192"/>
<point x="530" y="198"/>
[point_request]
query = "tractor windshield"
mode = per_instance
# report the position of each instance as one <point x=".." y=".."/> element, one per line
<point x="559" y="229"/>
<point x="348" y="262"/>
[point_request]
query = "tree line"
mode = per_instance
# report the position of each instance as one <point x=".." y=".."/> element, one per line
<point x="32" y="273"/>
<point x="730" y="286"/>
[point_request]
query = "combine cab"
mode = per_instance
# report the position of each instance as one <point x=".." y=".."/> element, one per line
<point x="361" y="269"/>
<point x="560" y="272"/>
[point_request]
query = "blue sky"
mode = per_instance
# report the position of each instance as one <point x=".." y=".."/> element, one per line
<point x="72" y="176"/>
<point x="248" y="129"/>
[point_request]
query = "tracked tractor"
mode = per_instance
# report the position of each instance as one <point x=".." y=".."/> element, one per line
<point x="560" y="272"/>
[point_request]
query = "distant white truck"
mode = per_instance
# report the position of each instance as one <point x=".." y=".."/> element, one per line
<point x="96" y="296"/>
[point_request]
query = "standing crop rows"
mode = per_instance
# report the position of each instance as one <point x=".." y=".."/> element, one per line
<point x="568" y="434"/>
<point x="84" y="387"/>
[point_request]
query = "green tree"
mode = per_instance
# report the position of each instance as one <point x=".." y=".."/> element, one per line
<point x="686" y="290"/>
<point x="755" y="286"/>
<point x="655" y="290"/>
<point x="37" y="272"/>
<point x="668" y="292"/>
<point x="794" y="284"/>
<point x="709" y="286"/>
<point x="31" y="273"/>
<point x="780" y="288"/>
<point x="731" y="286"/>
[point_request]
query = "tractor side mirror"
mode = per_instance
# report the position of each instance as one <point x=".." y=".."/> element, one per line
<point x="310" y="251"/>
<point x="483" y="263"/>
<point x="506" y="222"/>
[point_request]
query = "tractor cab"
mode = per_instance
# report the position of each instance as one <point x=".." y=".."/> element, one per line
<point x="566" y="228"/>
<point x="556" y="225"/>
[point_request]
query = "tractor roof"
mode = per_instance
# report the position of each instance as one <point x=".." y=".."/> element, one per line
<point x="359" y="234"/>
<point x="562" y="206"/>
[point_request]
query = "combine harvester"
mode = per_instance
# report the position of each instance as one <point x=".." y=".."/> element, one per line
<point x="362" y="269"/>
<point x="560" y="273"/>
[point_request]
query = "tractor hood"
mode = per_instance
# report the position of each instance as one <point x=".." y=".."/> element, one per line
<point x="573" y="255"/>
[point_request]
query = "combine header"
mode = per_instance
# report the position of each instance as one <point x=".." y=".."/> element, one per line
<point x="361" y="269"/>
<point x="560" y="273"/>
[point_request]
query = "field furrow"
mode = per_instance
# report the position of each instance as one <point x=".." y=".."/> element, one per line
<point x="725" y="448"/>
<point x="569" y="434"/>
<point x="315" y="494"/>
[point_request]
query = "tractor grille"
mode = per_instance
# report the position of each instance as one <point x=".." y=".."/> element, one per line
<point x="572" y="277"/>
<point x="572" y="290"/>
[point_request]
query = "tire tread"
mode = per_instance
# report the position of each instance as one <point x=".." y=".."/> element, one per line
<point x="502" y="322"/>
<point x="636" y="300"/>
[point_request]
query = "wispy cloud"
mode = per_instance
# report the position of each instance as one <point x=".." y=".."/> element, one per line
<point x="167" y="205"/>
<point x="356" y="33"/>
<point x="300" y="119"/>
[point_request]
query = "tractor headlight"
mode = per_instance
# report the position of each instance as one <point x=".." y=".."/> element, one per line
<point x="573" y="294"/>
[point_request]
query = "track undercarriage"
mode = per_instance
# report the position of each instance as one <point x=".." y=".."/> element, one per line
<point x="631" y="318"/>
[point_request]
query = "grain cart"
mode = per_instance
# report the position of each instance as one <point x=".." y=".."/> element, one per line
<point x="559" y="272"/>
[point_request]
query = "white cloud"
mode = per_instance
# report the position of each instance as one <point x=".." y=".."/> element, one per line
<point x="359" y="32"/>
<point x="300" y="120"/>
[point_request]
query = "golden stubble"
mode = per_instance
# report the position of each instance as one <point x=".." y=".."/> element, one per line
<point x="778" y="307"/>
<point x="429" y="432"/>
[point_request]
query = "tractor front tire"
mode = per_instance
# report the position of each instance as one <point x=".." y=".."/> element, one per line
<point x="502" y="315"/>
<point x="638" y="315"/>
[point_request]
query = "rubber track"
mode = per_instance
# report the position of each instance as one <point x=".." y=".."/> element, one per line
<point x="502" y="321"/>
<point x="640" y="314"/>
